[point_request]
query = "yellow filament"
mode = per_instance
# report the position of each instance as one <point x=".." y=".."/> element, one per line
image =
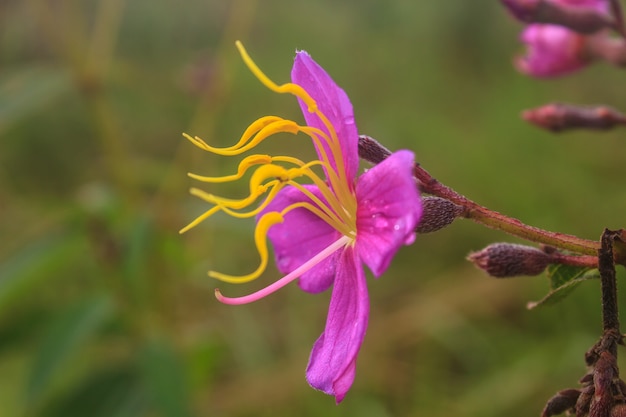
<point x="335" y="210"/>
<point x="260" y="239"/>
<point x="337" y="178"/>
<point x="334" y="145"/>
<point x="325" y="215"/>
<point x="200" y="219"/>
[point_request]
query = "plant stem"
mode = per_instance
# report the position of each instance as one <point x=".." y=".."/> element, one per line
<point x="583" y="261"/>
<point x="374" y="152"/>
<point x="606" y="266"/>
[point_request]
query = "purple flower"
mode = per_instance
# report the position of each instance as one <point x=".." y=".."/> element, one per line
<point x="558" y="42"/>
<point x="322" y="232"/>
<point x="551" y="51"/>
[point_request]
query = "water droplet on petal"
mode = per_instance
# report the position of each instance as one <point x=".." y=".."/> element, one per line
<point x="380" y="223"/>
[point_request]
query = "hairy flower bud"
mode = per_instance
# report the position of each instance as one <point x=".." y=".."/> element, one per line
<point x="437" y="214"/>
<point x="559" y="116"/>
<point x="371" y="150"/>
<point x="503" y="260"/>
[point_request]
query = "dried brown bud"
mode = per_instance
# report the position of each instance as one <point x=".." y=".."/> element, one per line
<point x="584" y="401"/>
<point x="604" y="373"/>
<point x="558" y="117"/>
<point x="438" y="213"/>
<point x="563" y="401"/>
<point x="503" y="260"/>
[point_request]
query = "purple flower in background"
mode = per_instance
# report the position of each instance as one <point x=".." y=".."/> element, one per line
<point x="322" y="232"/>
<point x="551" y="51"/>
<point x="558" y="42"/>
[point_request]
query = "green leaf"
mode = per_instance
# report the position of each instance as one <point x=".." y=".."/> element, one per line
<point x="563" y="280"/>
<point x="68" y="332"/>
<point x="164" y="378"/>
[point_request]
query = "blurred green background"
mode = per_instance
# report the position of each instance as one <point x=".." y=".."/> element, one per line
<point x="106" y="311"/>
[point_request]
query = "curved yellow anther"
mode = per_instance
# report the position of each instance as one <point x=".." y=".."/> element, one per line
<point x="279" y="126"/>
<point x="234" y="204"/>
<point x="290" y="88"/>
<point x="244" y="165"/>
<point x="256" y="126"/>
<point x="275" y="172"/>
<point x="260" y="239"/>
<point x="275" y="187"/>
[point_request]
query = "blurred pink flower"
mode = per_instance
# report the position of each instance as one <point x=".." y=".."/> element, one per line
<point x="551" y="51"/>
<point x="557" y="40"/>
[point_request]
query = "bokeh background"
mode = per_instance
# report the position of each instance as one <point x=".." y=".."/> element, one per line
<point x="105" y="310"/>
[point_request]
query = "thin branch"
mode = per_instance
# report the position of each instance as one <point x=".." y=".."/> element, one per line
<point x="372" y="151"/>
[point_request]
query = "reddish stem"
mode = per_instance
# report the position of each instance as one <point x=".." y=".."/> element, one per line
<point x="585" y="261"/>
<point x="372" y="151"/>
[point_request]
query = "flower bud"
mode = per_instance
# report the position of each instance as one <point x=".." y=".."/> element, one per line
<point x="558" y="117"/>
<point x="371" y="150"/>
<point x="503" y="260"/>
<point x="437" y="214"/>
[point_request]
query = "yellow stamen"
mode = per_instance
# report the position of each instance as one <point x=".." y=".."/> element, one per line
<point x="246" y="163"/>
<point x="200" y="219"/>
<point x="337" y="204"/>
<point x="299" y="92"/>
<point x="247" y="143"/>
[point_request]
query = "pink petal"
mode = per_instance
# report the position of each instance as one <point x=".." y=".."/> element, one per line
<point x="551" y="51"/>
<point x="332" y="364"/>
<point x="389" y="209"/>
<point x="300" y="237"/>
<point x="333" y="102"/>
